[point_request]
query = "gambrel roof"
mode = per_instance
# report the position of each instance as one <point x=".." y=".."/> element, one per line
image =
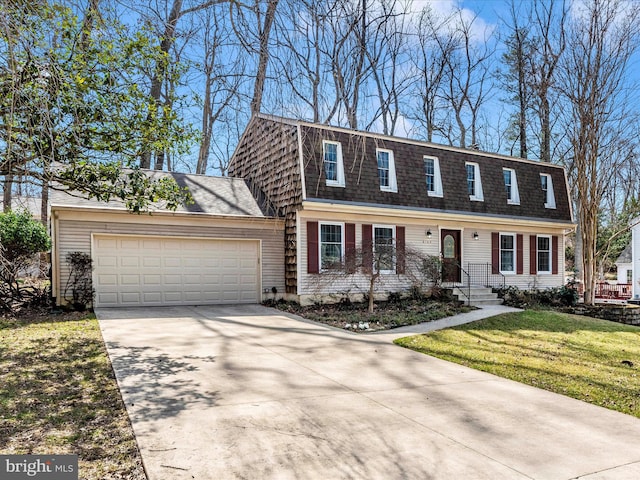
<point x="273" y="149"/>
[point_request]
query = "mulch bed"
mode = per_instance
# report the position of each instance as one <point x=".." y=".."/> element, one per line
<point x="386" y="316"/>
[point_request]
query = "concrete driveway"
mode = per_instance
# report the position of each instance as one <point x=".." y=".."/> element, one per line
<point x="247" y="392"/>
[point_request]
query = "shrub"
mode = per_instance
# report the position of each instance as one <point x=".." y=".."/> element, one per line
<point x="21" y="238"/>
<point x="431" y="270"/>
<point x="564" y="296"/>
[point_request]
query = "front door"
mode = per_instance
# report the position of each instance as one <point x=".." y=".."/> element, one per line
<point x="451" y="256"/>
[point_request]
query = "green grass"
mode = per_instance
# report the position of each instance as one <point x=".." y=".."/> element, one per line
<point x="576" y="356"/>
<point x="58" y="395"/>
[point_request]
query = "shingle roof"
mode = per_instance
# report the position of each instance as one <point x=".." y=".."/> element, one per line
<point x="625" y="256"/>
<point x="211" y="195"/>
<point x="362" y="187"/>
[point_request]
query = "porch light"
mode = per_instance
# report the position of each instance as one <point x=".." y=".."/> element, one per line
<point x="476" y="236"/>
<point x="428" y="233"/>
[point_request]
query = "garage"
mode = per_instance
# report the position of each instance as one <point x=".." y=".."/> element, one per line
<point x="149" y="270"/>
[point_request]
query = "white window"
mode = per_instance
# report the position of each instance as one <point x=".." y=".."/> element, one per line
<point x="544" y="254"/>
<point x="474" y="184"/>
<point x="511" y="186"/>
<point x="432" y="176"/>
<point x="384" y="249"/>
<point x="629" y="276"/>
<point x="333" y="166"/>
<point x="547" y="188"/>
<point x="386" y="170"/>
<point x="507" y="253"/>
<point x="331" y="245"/>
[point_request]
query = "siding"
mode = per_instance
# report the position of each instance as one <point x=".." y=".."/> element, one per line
<point x="267" y="156"/>
<point x="75" y="235"/>
<point x="473" y="251"/>
<point x="479" y="251"/>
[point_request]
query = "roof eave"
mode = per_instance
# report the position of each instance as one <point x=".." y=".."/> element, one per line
<point x="316" y="204"/>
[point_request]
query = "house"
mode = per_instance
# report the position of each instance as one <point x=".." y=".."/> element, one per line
<point x="33" y="205"/>
<point x="628" y="262"/>
<point x="299" y="199"/>
<point x="624" y="266"/>
<point x="496" y="219"/>
<point x="224" y="248"/>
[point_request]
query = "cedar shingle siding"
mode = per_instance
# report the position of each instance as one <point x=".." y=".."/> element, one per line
<point x="361" y="177"/>
<point x="267" y="158"/>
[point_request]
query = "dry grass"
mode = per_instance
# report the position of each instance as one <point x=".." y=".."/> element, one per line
<point x="58" y="395"/>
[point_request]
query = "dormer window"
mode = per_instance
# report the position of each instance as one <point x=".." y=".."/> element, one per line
<point x="432" y="176"/>
<point x="474" y="183"/>
<point x="386" y="170"/>
<point x="547" y="189"/>
<point x="333" y="166"/>
<point x="511" y="186"/>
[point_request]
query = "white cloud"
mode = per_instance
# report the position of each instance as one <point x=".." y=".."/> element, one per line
<point x="454" y="10"/>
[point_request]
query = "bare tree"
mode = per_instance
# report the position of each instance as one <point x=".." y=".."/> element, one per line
<point x="601" y="39"/>
<point x="253" y="29"/>
<point x="429" y="61"/>
<point x="386" y="49"/>
<point x="301" y="32"/>
<point x="167" y="38"/>
<point x="548" y="46"/>
<point x="222" y="79"/>
<point x="348" y="25"/>
<point x="466" y="73"/>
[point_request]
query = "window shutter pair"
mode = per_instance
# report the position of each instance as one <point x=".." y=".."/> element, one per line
<point x="533" y="255"/>
<point x="495" y="253"/>
<point x="367" y="249"/>
<point x="313" y="260"/>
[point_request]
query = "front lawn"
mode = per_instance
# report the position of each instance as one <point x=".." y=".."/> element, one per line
<point x="58" y="395"/>
<point x="592" y="360"/>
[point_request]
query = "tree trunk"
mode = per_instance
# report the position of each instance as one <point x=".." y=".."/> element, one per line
<point x="545" y="129"/>
<point x="7" y="190"/>
<point x="44" y="203"/>
<point x="261" y="74"/>
<point x="168" y="38"/>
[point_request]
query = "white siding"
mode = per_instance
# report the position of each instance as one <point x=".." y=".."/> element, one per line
<point x="473" y="251"/>
<point x="73" y="233"/>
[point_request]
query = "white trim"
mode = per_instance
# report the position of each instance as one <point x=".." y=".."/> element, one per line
<point x="544" y="272"/>
<point x="437" y="179"/>
<point x="515" y="253"/>
<point x="393" y="184"/>
<point x="339" y="182"/>
<point x="430" y="215"/>
<point x="478" y="195"/>
<point x="515" y="193"/>
<point x="301" y="163"/>
<point x="550" y="200"/>
<point x="342" y="243"/>
<point x="393" y="240"/>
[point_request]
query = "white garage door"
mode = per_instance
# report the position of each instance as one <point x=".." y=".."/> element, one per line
<point x="150" y="270"/>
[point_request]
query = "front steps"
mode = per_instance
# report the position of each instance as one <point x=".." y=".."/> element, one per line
<point x="478" y="296"/>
